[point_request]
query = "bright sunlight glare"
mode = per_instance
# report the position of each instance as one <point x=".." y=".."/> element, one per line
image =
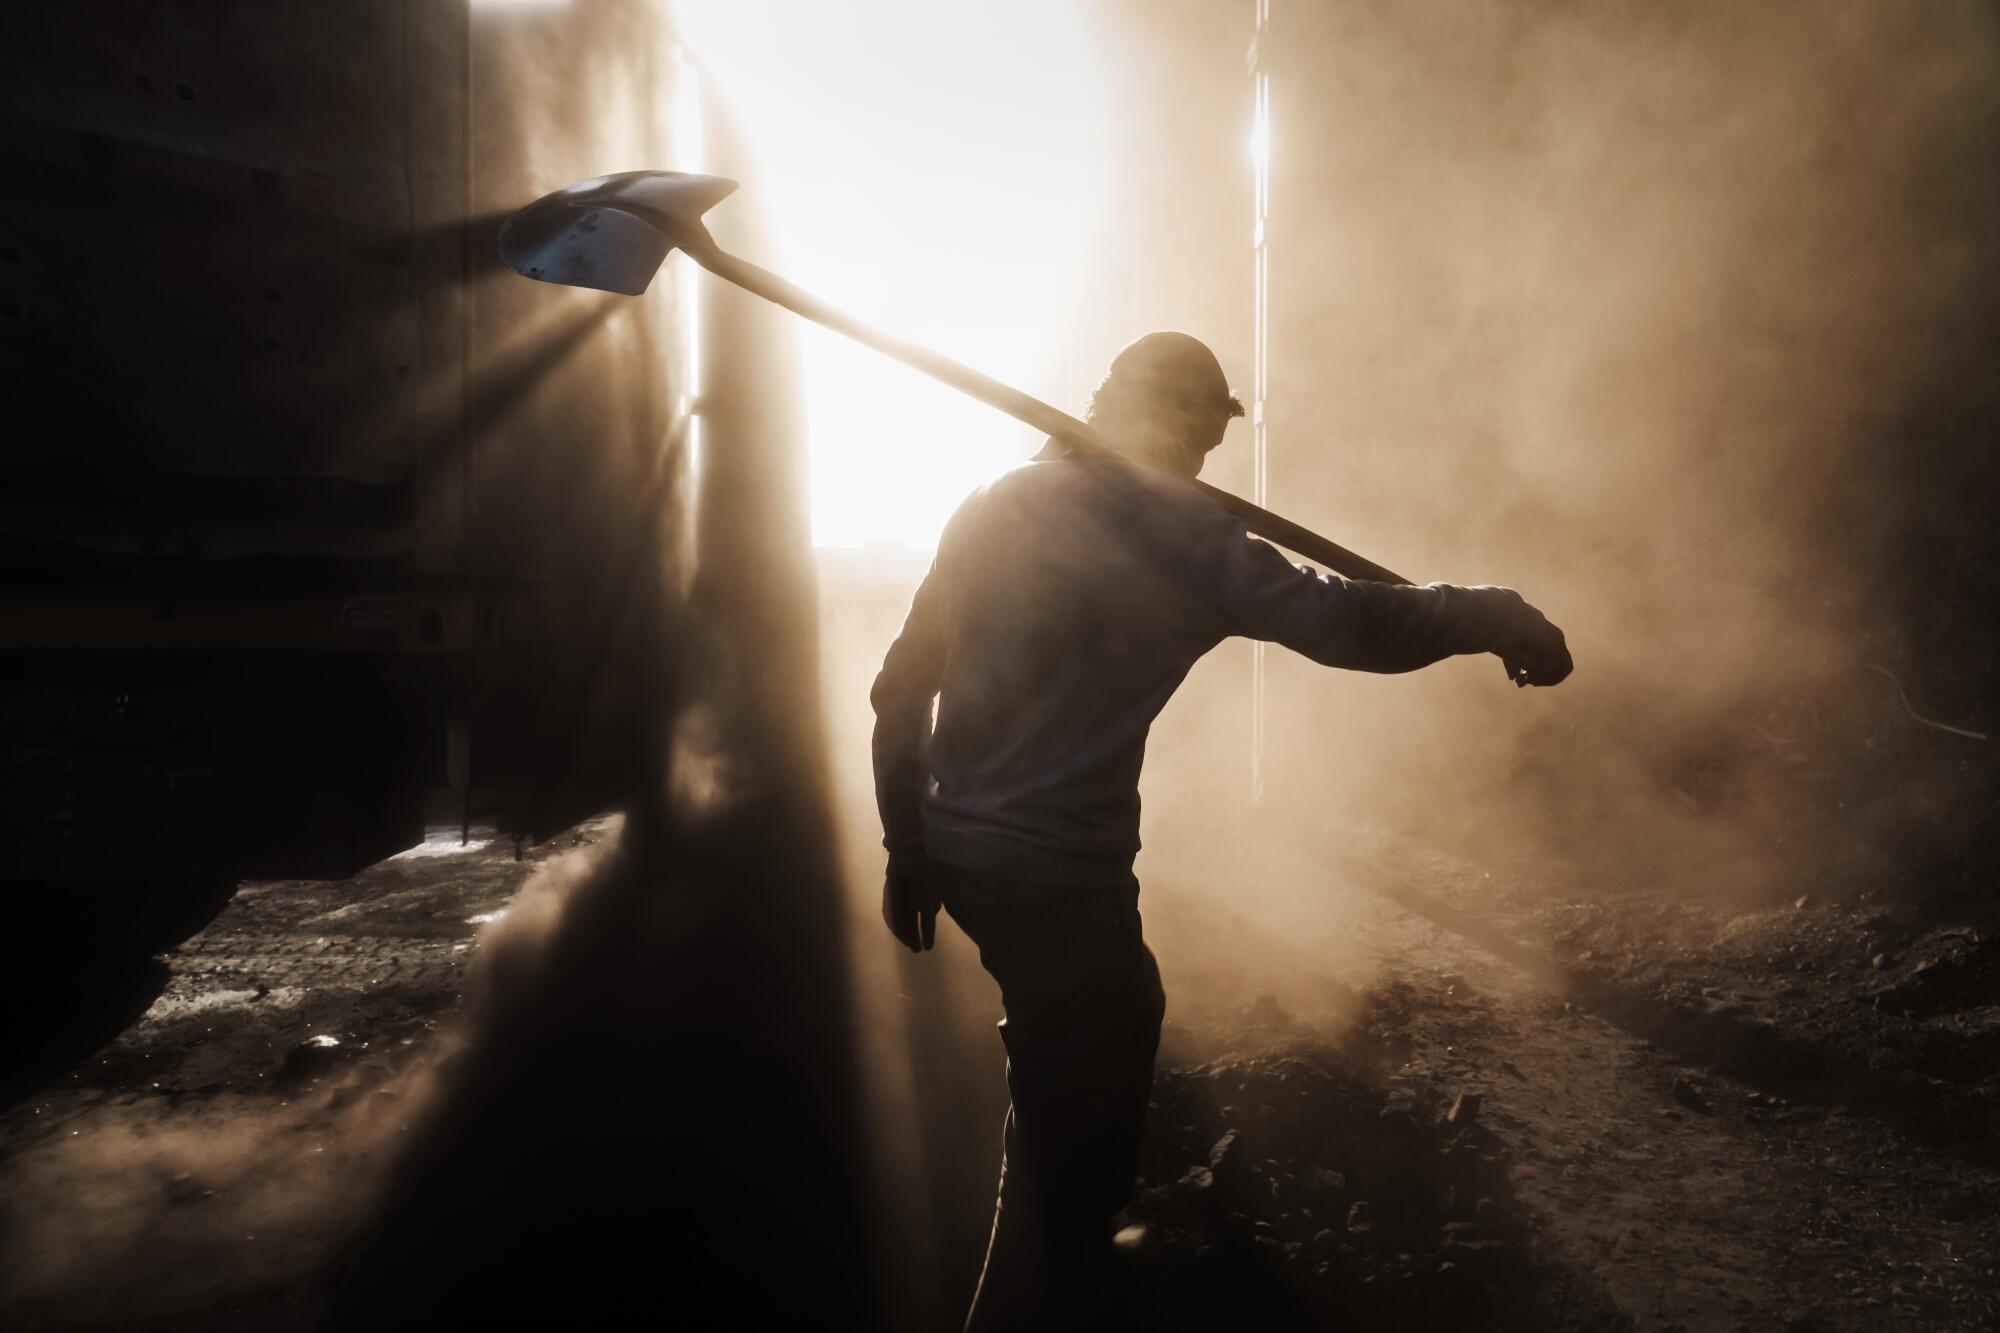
<point x="937" y="169"/>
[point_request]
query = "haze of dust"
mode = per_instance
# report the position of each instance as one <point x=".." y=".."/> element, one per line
<point x="1678" y="319"/>
<point x="250" y="1189"/>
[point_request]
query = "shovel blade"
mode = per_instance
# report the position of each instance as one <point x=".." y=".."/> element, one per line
<point x="610" y="233"/>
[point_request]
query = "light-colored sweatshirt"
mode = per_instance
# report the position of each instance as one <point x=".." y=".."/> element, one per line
<point x="1067" y="602"/>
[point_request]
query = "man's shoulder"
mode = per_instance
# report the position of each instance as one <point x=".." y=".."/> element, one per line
<point x="1126" y="496"/>
<point x="1103" y="478"/>
<point x="1025" y="486"/>
<point x="1034" y="474"/>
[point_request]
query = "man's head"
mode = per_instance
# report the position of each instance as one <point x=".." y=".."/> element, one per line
<point x="1165" y="398"/>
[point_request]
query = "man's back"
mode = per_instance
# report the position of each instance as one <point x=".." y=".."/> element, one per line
<point x="1067" y="603"/>
<point x="1062" y="639"/>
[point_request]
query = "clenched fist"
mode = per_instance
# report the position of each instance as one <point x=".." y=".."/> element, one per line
<point x="910" y="900"/>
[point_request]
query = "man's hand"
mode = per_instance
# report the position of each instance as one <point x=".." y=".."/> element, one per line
<point x="910" y="900"/>
<point x="1534" y="650"/>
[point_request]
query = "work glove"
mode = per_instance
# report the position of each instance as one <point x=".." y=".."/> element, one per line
<point x="910" y="900"/>
<point x="1533" y="650"/>
<point x="1498" y="621"/>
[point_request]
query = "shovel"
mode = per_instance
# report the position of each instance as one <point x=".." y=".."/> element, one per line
<point x="612" y="233"/>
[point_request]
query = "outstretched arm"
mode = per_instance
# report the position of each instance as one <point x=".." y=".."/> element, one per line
<point x="1382" y="627"/>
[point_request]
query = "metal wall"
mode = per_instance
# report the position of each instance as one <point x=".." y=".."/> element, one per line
<point x="308" y="509"/>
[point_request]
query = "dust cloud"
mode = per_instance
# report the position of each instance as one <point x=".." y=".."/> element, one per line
<point x="1676" y="319"/>
<point x="155" y="1189"/>
<point x="1679" y="320"/>
<point x="142" y="1193"/>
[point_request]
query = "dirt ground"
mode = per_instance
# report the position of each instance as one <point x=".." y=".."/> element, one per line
<point x="1670" y="1116"/>
<point x="1541" y="1112"/>
<point x="196" y="1171"/>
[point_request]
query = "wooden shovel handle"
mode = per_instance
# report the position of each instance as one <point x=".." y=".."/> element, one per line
<point x="1022" y="407"/>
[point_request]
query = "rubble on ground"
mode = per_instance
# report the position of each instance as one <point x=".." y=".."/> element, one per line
<point x="1287" y="1182"/>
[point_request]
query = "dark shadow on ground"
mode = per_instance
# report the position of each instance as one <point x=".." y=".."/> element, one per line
<point x="87" y="970"/>
<point x="655" y="1112"/>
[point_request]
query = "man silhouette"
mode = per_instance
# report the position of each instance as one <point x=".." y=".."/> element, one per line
<point x="1067" y="602"/>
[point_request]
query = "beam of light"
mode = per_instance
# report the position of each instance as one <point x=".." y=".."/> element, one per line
<point x="1260" y="160"/>
<point x="938" y="170"/>
<point x="690" y="133"/>
<point x="1260" y="127"/>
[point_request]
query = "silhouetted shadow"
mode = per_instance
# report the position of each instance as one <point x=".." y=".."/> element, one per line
<point x="83" y="970"/>
<point x="655" y="1113"/>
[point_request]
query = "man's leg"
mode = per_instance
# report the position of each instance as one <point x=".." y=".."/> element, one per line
<point x="1083" y="1003"/>
<point x="1015" y="1286"/>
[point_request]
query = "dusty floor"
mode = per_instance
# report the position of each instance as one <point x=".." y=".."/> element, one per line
<point x="1540" y="1113"/>
<point x="194" y="1172"/>
<point x="1778" y="1152"/>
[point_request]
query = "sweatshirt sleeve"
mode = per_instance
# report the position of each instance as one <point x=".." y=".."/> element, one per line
<point x="1383" y="627"/>
<point x="902" y="695"/>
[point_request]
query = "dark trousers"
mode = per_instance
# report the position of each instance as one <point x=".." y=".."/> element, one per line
<point x="1083" y="1006"/>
